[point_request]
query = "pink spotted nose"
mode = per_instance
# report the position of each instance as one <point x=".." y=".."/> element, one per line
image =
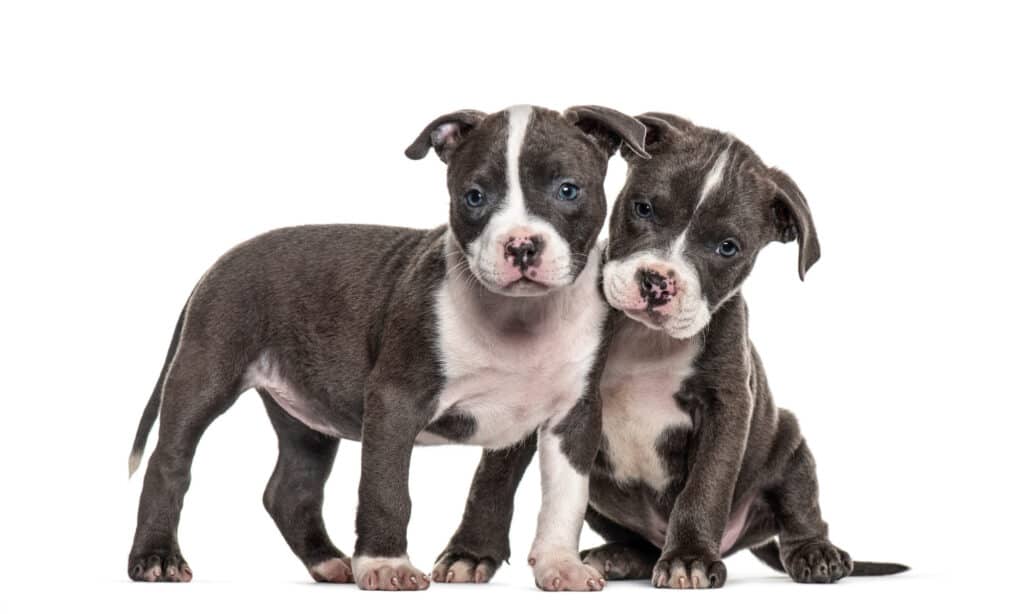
<point x="657" y="286"/>
<point x="523" y="251"/>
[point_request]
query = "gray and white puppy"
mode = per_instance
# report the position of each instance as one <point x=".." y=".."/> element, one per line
<point x="696" y="461"/>
<point x="483" y="332"/>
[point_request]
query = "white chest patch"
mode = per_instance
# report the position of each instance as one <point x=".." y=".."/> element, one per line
<point x="645" y="369"/>
<point x="514" y="362"/>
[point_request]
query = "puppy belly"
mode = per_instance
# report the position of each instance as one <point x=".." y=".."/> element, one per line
<point x="735" y="527"/>
<point x="632" y="505"/>
<point x="638" y="507"/>
<point x="265" y="374"/>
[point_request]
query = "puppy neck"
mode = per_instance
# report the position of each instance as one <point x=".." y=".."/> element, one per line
<point x="637" y="343"/>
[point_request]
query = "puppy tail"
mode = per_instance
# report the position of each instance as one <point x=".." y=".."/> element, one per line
<point x="152" y="410"/>
<point x="867" y="568"/>
<point x="769" y="555"/>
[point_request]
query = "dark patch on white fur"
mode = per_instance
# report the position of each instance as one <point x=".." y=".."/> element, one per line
<point x="454" y="425"/>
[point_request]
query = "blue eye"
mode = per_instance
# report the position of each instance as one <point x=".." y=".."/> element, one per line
<point x="568" y="191"/>
<point x="643" y="209"/>
<point x="474" y="198"/>
<point x="727" y="248"/>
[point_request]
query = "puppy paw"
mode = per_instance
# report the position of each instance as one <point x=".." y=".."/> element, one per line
<point x="337" y="570"/>
<point x="679" y="570"/>
<point x="159" y="567"/>
<point x="452" y="567"/>
<point x="619" y="561"/>
<point x="565" y="573"/>
<point x="818" y="562"/>
<point x="388" y="574"/>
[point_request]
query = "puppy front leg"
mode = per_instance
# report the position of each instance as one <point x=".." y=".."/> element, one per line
<point x="567" y="450"/>
<point x="690" y="557"/>
<point x="480" y="544"/>
<point x="390" y="425"/>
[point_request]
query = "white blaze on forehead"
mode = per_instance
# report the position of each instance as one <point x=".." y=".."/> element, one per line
<point x="518" y="120"/>
<point x="711" y="182"/>
<point x="714" y="177"/>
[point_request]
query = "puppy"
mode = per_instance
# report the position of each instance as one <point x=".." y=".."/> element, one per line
<point x="696" y="462"/>
<point x="483" y="332"/>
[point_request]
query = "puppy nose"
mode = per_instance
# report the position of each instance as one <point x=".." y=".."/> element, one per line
<point x="656" y="288"/>
<point x="524" y="251"/>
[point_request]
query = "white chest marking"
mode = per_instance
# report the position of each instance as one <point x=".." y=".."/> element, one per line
<point x="645" y="369"/>
<point x="513" y="362"/>
<point x="712" y="181"/>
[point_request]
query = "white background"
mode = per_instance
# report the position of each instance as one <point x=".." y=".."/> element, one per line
<point x="139" y="141"/>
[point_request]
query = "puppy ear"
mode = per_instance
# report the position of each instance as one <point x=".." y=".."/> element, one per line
<point x="444" y="134"/>
<point x="792" y="219"/>
<point x="658" y="127"/>
<point x="609" y="128"/>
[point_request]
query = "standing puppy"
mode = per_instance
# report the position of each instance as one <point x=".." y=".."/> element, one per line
<point x="696" y="461"/>
<point x="481" y="332"/>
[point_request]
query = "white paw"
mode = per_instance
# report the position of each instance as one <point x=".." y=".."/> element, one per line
<point x="388" y="574"/>
<point x="332" y="570"/>
<point x="565" y="572"/>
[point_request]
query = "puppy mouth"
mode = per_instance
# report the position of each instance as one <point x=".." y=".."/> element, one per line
<point x="648" y="316"/>
<point x="526" y="281"/>
<point x="524" y="286"/>
<point x="678" y="327"/>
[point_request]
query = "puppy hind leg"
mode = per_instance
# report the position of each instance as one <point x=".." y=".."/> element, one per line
<point x="625" y="556"/>
<point x="294" y="495"/>
<point x="806" y="552"/>
<point x="622" y="560"/>
<point x="200" y="386"/>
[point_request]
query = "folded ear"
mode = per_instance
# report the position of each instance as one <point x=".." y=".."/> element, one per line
<point x="444" y="134"/>
<point x="792" y="219"/>
<point x="659" y="129"/>
<point x="609" y="128"/>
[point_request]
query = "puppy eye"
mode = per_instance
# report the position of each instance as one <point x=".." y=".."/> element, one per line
<point x="568" y="191"/>
<point x="643" y="209"/>
<point x="728" y="248"/>
<point x="474" y="198"/>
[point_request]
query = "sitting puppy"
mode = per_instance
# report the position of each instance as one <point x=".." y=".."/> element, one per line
<point x="395" y="336"/>
<point x="696" y="461"/>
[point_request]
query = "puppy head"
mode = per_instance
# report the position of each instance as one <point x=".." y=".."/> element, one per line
<point x="527" y="189"/>
<point x="690" y="221"/>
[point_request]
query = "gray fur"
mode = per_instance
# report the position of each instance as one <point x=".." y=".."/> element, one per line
<point x="340" y="320"/>
<point x="743" y="459"/>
